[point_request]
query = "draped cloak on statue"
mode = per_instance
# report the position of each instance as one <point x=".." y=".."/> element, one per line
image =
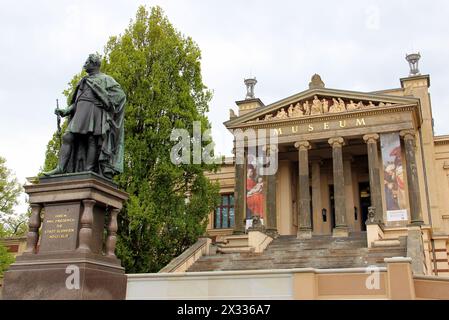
<point x="112" y="103"/>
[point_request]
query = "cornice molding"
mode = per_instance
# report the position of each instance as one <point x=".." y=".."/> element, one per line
<point x="326" y="117"/>
<point x="331" y="93"/>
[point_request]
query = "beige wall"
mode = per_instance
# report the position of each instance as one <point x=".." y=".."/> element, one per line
<point x="442" y="176"/>
<point x="394" y="282"/>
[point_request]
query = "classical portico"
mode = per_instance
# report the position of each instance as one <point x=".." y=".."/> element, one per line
<point x="358" y="178"/>
<point x="330" y="177"/>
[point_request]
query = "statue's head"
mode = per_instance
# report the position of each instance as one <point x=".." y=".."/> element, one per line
<point x="92" y="64"/>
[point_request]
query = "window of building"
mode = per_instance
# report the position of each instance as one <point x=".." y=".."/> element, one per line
<point x="224" y="213"/>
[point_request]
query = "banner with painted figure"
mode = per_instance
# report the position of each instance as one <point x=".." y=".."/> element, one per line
<point x="394" y="187"/>
<point x="255" y="197"/>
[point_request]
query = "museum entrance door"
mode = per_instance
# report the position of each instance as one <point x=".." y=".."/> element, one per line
<point x="365" y="202"/>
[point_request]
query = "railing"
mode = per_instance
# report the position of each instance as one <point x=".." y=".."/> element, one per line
<point x="188" y="257"/>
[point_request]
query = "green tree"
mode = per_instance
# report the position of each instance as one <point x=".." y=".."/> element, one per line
<point x="13" y="224"/>
<point x="10" y="190"/>
<point x="160" y="71"/>
<point x="6" y="259"/>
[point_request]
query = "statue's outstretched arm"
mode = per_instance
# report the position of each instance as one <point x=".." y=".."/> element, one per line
<point x="65" y="112"/>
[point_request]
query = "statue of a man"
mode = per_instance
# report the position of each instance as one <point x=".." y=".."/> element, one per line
<point x="94" y="137"/>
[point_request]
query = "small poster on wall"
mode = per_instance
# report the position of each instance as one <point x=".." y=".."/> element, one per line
<point x="397" y="215"/>
<point x="394" y="187"/>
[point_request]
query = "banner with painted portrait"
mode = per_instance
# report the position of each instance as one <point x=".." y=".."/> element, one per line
<point x="255" y="195"/>
<point x="394" y="188"/>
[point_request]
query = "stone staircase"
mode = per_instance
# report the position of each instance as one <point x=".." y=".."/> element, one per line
<point x="320" y="252"/>
<point x="234" y="244"/>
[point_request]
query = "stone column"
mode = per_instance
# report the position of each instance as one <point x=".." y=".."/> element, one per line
<point x="85" y="233"/>
<point x="284" y="199"/>
<point x="317" y="204"/>
<point x="33" y="228"/>
<point x="374" y="176"/>
<point x="341" y="227"/>
<point x="239" y="191"/>
<point x="412" y="177"/>
<point x="271" y="223"/>
<point x="305" y="218"/>
<point x="349" y="192"/>
<point x="111" y="238"/>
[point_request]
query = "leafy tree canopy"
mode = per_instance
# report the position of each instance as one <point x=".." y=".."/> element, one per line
<point x="5" y="259"/>
<point x="12" y="223"/>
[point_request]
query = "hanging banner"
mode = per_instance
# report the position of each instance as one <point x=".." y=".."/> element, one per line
<point x="255" y="197"/>
<point x="393" y="177"/>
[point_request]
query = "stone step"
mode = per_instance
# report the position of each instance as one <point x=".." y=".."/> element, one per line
<point x="236" y="240"/>
<point x="285" y="252"/>
<point x="318" y="252"/>
<point x="387" y="249"/>
<point x="386" y="243"/>
<point x="235" y="249"/>
<point x="319" y="243"/>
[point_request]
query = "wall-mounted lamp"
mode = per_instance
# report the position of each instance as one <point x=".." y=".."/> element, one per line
<point x="355" y="213"/>
<point x="324" y="214"/>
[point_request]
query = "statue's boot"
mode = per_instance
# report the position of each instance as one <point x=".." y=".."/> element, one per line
<point x="57" y="170"/>
<point x="64" y="155"/>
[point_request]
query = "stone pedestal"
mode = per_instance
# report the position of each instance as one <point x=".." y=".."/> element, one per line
<point x="72" y="255"/>
<point x="415" y="249"/>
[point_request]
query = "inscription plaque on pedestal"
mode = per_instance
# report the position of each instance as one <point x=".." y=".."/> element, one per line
<point x="60" y="227"/>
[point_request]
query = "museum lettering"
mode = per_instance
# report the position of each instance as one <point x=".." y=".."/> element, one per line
<point x="320" y="126"/>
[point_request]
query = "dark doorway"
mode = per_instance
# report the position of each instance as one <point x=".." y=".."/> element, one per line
<point x="311" y="207"/>
<point x="332" y="205"/>
<point x="365" y="202"/>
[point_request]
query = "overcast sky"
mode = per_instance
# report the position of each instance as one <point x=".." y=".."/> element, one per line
<point x="353" y="45"/>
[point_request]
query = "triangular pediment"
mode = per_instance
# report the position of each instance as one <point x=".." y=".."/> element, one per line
<point x="321" y="101"/>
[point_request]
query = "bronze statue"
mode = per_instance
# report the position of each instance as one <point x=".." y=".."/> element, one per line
<point x="94" y="138"/>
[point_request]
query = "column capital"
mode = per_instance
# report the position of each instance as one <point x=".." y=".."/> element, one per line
<point x="407" y="134"/>
<point x="336" y="142"/>
<point x="371" y="138"/>
<point x="303" y="145"/>
<point x="89" y="202"/>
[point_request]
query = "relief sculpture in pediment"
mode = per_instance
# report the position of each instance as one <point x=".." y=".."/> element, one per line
<point x="316" y="107"/>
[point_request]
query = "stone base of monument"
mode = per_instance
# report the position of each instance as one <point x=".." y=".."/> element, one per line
<point x="71" y="241"/>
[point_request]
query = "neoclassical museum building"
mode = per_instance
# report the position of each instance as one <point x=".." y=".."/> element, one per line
<point x="346" y="160"/>
<point x="361" y="182"/>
